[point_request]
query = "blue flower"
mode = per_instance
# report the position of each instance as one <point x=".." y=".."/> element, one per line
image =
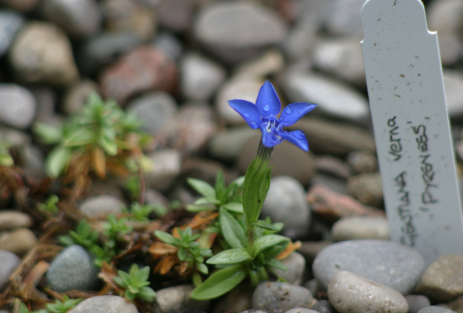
<point x="263" y="115"/>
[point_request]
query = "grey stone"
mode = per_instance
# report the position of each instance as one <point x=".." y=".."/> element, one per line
<point x="19" y="241"/>
<point x="105" y="304"/>
<point x="333" y="98"/>
<point x="443" y="279"/>
<point x="176" y="15"/>
<point x="367" y="188"/>
<point x="101" y="205"/>
<point x="301" y="39"/>
<point x="254" y="311"/>
<point x="280" y="297"/>
<point x="8" y="263"/>
<point x="342" y="58"/>
<point x="333" y="166"/>
<point x="314" y="287"/>
<point x="268" y="63"/>
<point x="169" y="44"/>
<point x="72" y="269"/>
<point x="45" y="99"/>
<point x="168" y="164"/>
<point x="154" y="110"/>
<point x="10" y="23"/>
<point x="330" y="182"/>
<point x="362" y="162"/>
<point x="417" y="302"/>
<point x="435" y="309"/>
<point x="177" y="300"/>
<point x="238" y="300"/>
<point x="77" y="95"/>
<point x="33" y="162"/>
<point x="449" y="49"/>
<point x="300" y="310"/>
<point x="444" y="16"/>
<point x="344" y="18"/>
<point x="360" y="227"/>
<point x="79" y="19"/>
<point x="349" y="292"/>
<point x="10" y="220"/>
<point x="200" y="77"/>
<point x="453" y="83"/>
<point x="286" y="203"/>
<point x="41" y="53"/>
<point x="323" y="306"/>
<point x="384" y="262"/>
<point x="17" y="106"/>
<point x="15" y="137"/>
<point x="296" y="267"/>
<point x="245" y="88"/>
<point x="227" y="145"/>
<point x="239" y="29"/>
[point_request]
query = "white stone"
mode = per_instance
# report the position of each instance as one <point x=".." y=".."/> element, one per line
<point x="167" y="165"/>
<point x="349" y="292"/>
<point x="100" y="205"/>
<point x="17" y="106"/>
<point x="360" y="227"/>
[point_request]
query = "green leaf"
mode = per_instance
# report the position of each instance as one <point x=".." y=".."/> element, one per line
<point x="119" y="281"/>
<point x="277" y="264"/>
<point x="196" y="208"/>
<point x="182" y="254"/>
<point x="202" y="268"/>
<point x="57" y="161"/>
<point x="234" y="207"/>
<point x="267" y="241"/>
<point x="220" y="283"/>
<point x="232" y="231"/>
<point x="168" y="238"/>
<point x="109" y="146"/>
<point x="48" y="134"/>
<point x="147" y="294"/>
<point x="80" y="137"/>
<point x="265" y="225"/>
<point x="202" y="187"/>
<point x="6" y="160"/>
<point x="231" y="256"/>
<point x="197" y="280"/>
<point x="220" y="187"/>
<point x="207" y="201"/>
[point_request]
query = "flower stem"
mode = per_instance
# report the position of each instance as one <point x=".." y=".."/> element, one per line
<point x="263" y="152"/>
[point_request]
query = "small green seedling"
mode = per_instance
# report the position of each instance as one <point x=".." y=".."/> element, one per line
<point x="50" y="205"/>
<point x="84" y="236"/>
<point x="5" y="157"/>
<point x="63" y="307"/>
<point x="141" y="212"/>
<point x="135" y="283"/>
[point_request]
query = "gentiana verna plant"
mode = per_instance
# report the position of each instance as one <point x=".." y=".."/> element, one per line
<point x="252" y="245"/>
<point x="135" y="283"/>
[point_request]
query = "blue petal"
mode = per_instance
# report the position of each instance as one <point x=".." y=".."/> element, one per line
<point x="268" y="138"/>
<point x="296" y="137"/>
<point x="268" y="102"/>
<point x="248" y="111"/>
<point x="293" y="112"/>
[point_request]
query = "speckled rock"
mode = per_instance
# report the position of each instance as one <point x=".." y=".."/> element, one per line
<point x="41" y="53"/>
<point x="19" y="241"/>
<point x="17" y="106"/>
<point x="382" y="261"/>
<point x="10" y="23"/>
<point x="435" y="309"/>
<point x="296" y="267"/>
<point x="280" y="297"/>
<point x="238" y="300"/>
<point x="105" y="304"/>
<point x="417" y="302"/>
<point x="154" y="110"/>
<point x="13" y="219"/>
<point x="443" y="279"/>
<point x="286" y="203"/>
<point x="367" y="188"/>
<point x="8" y="263"/>
<point x="72" y="269"/>
<point x="177" y="300"/>
<point x="101" y="205"/>
<point x="349" y="292"/>
<point x="360" y="227"/>
<point x="168" y="164"/>
<point x="362" y="162"/>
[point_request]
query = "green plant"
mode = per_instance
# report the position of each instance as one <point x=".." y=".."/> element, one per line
<point x="84" y="236"/>
<point x="140" y="212"/>
<point x="135" y="283"/>
<point x="5" y="157"/>
<point x="63" y="307"/>
<point x="50" y="205"/>
<point x="133" y="187"/>
<point x="217" y="197"/>
<point x="188" y="249"/>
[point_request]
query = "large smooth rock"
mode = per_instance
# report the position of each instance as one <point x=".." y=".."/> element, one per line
<point x="200" y="77"/>
<point x="79" y="19"/>
<point x="349" y="292"/>
<point x="10" y="23"/>
<point x="41" y="53"/>
<point x="333" y="99"/>
<point x="19" y="242"/>
<point x="239" y="29"/>
<point x="384" y="262"/>
<point x="367" y="188"/>
<point x="280" y="297"/>
<point x="177" y="300"/>
<point x="17" y="106"/>
<point x="13" y="219"/>
<point x="72" y="269"/>
<point x="144" y="68"/>
<point x="443" y="279"/>
<point x="101" y="205"/>
<point x="105" y="304"/>
<point x="286" y="203"/>
<point x="154" y="110"/>
<point x="360" y="227"/>
<point x="8" y="263"/>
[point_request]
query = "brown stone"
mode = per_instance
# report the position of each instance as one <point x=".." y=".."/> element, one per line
<point x="331" y="206"/>
<point x="367" y="188"/>
<point x="144" y="68"/>
<point x="333" y="166"/>
<point x="11" y="219"/>
<point x="19" y="242"/>
<point x="287" y="159"/>
<point x="310" y="249"/>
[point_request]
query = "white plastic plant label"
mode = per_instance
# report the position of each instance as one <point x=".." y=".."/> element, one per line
<point x="411" y="125"/>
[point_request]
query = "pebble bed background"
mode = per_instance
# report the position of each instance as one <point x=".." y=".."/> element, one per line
<point x="175" y="63"/>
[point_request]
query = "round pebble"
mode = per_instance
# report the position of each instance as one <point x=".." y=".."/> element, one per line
<point x="417" y="302"/>
<point x="360" y="227"/>
<point x="300" y="310"/>
<point x="19" y="242"/>
<point x="280" y="297"/>
<point x="296" y="266"/>
<point x="72" y="269"/>
<point x="101" y="205"/>
<point x="177" y="300"/>
<point x="435" y="309"/>
<point x="349" y="292"/>
<point x="17" y="106"/>
<point x="105" y="304"/>
<point x="12" y="219"/>
<point x="323" y="306"/>
<point x="167" y="167"/>
<point x="8" y="263"/>
<point x="10" y="23"/>
<point x="384" y="262"/>
<point x="367" y="188"/>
